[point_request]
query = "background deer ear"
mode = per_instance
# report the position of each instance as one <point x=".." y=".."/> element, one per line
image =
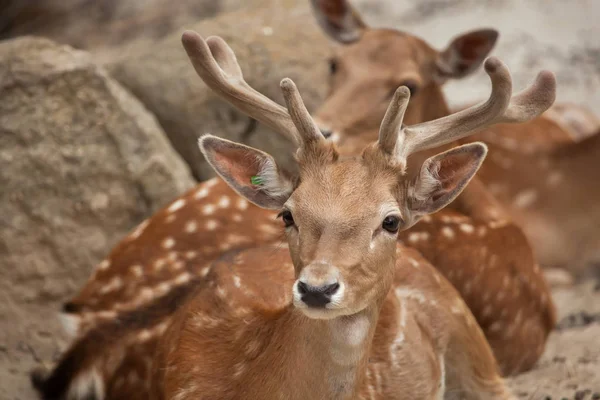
<point x="465" y="53"/>
<point x="338" y="19"/>
<point x="250" y="172"/>
<point x="443" y="177"/>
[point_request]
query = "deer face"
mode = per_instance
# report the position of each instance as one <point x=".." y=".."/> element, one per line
<point x="342" y="216"/>
<point x="371" y="63"/>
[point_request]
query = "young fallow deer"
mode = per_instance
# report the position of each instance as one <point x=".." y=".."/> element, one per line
<point x="523" y="171"/>
<point x="128" y="303"/>
<point x="355" y="315"/>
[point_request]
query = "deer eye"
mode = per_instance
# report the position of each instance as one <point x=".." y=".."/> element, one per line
<point x="412" y="86"/>
<point x="287" y="218"/>
<point x="333" y="66"/>
<point x="391" y="223"/>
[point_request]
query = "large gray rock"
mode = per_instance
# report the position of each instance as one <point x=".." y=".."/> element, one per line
<point x="81" y="163"/>
<point x="275" y="39"/>
<point x="101" y="25"/>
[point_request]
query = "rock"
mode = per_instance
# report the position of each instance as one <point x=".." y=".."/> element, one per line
<point x="81" y="163"/>
<point x="276" y="40"/>
<point x="100" y="24"/>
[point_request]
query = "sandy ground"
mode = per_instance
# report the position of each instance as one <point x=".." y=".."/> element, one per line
<point x="554" y="34"/>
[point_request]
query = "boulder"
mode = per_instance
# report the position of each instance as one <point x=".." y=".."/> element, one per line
<point x="81" y="163"/>
<point x="275" y="39"/>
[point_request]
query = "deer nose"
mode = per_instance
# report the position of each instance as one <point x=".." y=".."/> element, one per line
<point x="317" y="296"/>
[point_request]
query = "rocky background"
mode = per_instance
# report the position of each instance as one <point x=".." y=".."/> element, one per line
<point x="100" y="111"/>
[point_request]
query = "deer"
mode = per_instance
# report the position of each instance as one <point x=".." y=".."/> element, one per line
<point x="370" y="63"/>
<point x="129" y="302"/>
<point x="349" y="318"/>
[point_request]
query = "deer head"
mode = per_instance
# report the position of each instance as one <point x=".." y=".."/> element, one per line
<point x="371" y="63"/>
<point x="342" y="214"/>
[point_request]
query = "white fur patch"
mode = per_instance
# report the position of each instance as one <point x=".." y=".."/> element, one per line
<point x="70" y="323"/>
<point x="87" y="384"/>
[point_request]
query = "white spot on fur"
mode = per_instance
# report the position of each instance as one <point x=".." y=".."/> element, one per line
<point x="159" y="264"/>
<point x="242" y="204"/>
<point x="554" y="178"/>
<point x="170" y="218"/>
<point x="137" y="270"/>
<point x="139" y="230"/>
<point x="525" y="198"/>
<point x="237" y="281"/>
<point x="104" y="265"/>
<point x="191" y="226"/>
<point x="211" y="182"/>
<point x="177" y="204"/>
<point x="190" y="255"/>
<point x="224" y="202"/>
<point x="204" y="272"/>
<point x="168" y="243"/>
<point x="211" y="224"/>
<point x="182" y="278"/>
<point x="209" y="209"/>
<point x="415" y="237"/>
<point x="237" y="217"/>
<point x="448" y="232"/>
<point x="114" y="284"/>
<point x="466" y="228"/>
<point x="496" y="327"/>
<point x="201" y="193"/>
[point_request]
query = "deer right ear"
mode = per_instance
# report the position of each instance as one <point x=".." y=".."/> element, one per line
<point x="443" y="177"/>
<point x="339" y="20"/>
<point x="465" y="54"/>
<point x="250" y="172"/>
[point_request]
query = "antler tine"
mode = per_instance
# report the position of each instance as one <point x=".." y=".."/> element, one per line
<point x="306" y="126"/>
<point x="392" y="121"/>
<point x="448" y="129"/>
<point x="216" y="64"/>
<point x="532" y="101"/>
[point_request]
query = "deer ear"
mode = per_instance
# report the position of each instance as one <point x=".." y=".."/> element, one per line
<point x="250" y="172"/>
<point x="443" y="177"/>
<point x="465" y="53"/>
<point x="338" y="19"/>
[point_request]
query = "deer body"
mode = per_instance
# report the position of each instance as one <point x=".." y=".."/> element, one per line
<point x="422" y="329"/>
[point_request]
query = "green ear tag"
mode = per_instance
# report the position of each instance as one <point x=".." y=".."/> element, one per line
<point x="256" y="180"/>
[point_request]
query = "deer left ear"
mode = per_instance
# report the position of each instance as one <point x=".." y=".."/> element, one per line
<point x="465" y="54"/>
<point x="250" y="172"/>
<point x="443" y="177"/>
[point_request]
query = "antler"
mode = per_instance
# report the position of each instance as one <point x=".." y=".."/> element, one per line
<point x="216" y="64"/>
<point x="499" y="108"/>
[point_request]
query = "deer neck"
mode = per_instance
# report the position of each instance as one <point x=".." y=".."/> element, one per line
<point x="330" y="357"/>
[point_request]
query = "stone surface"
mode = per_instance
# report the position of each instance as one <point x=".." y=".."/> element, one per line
<point x="82" y="162"/>
<point x="100" y="25"/>
<point x="276" y="40"/>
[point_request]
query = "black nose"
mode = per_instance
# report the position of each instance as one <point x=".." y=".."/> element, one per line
<point x="326" y="132"/>
<point x="317" y="296"/>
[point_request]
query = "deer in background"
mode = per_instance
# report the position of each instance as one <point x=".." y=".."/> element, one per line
<point x="129" y="301"/>
<point x="351" y="318"/>
<point x="524" y="176"/>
